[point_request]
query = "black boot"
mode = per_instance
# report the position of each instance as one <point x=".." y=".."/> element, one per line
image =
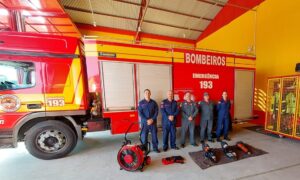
<point x="211" y="140"/>
<point x="227" y="139"/>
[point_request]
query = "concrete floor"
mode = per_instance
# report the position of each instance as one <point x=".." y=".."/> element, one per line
<point x="95" y="158"/>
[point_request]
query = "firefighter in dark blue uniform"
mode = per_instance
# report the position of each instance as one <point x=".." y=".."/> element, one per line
<point x="148" y="111"/>
<point x="223" y="117"/>
<point x="169" y="111"/>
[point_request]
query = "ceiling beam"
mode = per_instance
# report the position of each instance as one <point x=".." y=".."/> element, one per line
<point x="173" y="26"/>
<point x="166" y="10"/>
<point x="53" y="10"/>
<point x="3" y="4"/>
<point x="98" y="13"/>
<point x="61" y="33"/>
<point x="5" y="24"/>
<point x="48" y="15"/>
<point x="31" y="27"/>
<point x="222" y="4"/>
<point x="53" y="25"/>
<point x="133" y="19"/>
<point x="217" y="3"/>
<point x="41" y="24"/>
<point x="142" y="13"/>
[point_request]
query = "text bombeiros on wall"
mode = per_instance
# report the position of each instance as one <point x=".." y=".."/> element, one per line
<point x="205" y="59"/>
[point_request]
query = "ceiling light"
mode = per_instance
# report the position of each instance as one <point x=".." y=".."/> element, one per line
<point x="35" y="4"/>
<point x="26" y="13"/>
<point x="250" y="48"/>
<point x="39" y="19"/>
<point x="91" y="7"/>
<point x="3" y="12"/>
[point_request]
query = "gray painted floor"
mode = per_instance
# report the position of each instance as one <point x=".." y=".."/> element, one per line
<point x="95" y="158"/>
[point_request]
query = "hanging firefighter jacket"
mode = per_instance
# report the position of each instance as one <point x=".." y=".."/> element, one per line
<point x="290" y="103"/>
<point x="274" y="102"/>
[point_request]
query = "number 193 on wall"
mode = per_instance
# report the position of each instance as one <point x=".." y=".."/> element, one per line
<point x="206" y="84"/>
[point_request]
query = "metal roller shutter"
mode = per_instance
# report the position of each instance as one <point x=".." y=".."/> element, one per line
<point x="157" y="78"/>
<point x="118" y="86"/>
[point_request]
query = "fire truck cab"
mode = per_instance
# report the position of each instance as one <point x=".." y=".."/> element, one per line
<point x="43" y="96"/>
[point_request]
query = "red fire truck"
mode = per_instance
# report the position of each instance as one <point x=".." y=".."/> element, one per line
<point x="54" y="89"/>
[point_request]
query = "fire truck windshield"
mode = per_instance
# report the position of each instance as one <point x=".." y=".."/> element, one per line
<point x="16" y="75"/>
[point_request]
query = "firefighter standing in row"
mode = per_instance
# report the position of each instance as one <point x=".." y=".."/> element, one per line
<point x="206" y="108"/>
<point x="189" y="111"/>
<point x="169" y="111"/>
<point x="223" y="109"/>
<point x="148" y="111"/>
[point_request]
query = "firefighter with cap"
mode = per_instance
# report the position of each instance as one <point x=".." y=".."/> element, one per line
<point x="206" y="108"/>
<point x="169" y="111"/>
<point x="189" y="111"/>
<point x="223" y="109"/>
<point x="148" y="111"/>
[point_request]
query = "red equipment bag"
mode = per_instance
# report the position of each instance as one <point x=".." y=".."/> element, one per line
<point x="172" y="160"/>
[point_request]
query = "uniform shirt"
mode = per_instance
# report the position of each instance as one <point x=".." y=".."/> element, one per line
<point x="207" y="110"/>
<point x="148" y="110"/>
<point x="168" y="108"/>
<point x="223" y="108"/>
<point x="189" y="109"/>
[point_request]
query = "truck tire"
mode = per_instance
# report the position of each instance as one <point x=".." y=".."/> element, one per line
<point x="50" y="140"/>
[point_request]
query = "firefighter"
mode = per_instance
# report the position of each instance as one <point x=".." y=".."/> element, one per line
<point x="223" y="109"/>
<point x="169" y="111"/>
<point x="189" y="111"/>
<point x="148" y="111"/>
<point x="206" y="108"/>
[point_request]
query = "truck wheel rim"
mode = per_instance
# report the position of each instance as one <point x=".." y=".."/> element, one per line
<point x="51" y="141"/>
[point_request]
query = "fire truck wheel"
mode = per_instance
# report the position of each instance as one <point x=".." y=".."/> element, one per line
<point x="50" y="140"/>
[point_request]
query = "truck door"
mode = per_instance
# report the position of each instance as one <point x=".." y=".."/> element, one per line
<point x="243" y="94"/>
<point x="118" y="84"/>
<point x="64" y="87"/>
<point x="21" y="91"/>
<point x="119" y="96"/>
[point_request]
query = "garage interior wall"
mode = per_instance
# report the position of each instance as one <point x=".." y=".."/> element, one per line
<point x="276" y="42"/>
<point x="235" y="37"/>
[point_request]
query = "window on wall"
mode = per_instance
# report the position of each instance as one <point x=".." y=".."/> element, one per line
<point x="16" y="75"/>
